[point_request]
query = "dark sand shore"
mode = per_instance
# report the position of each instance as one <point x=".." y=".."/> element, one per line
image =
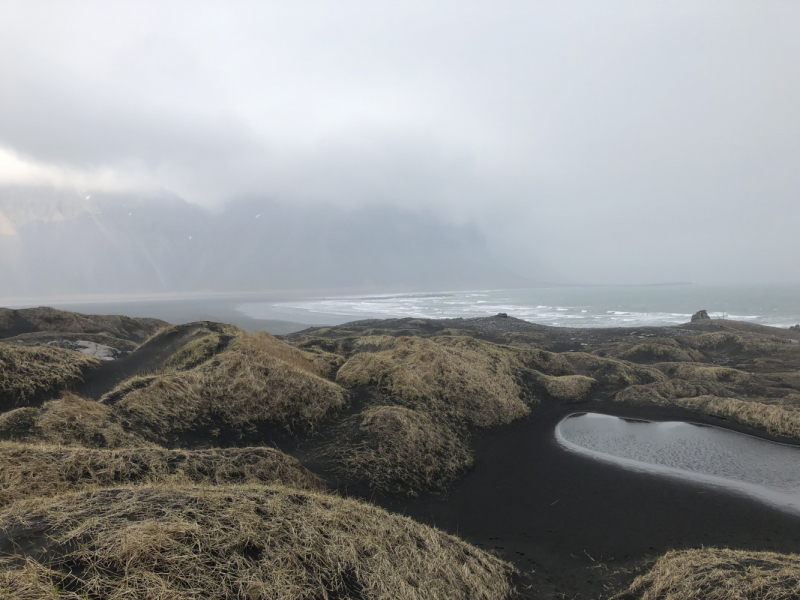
<point x="579" y="527"/>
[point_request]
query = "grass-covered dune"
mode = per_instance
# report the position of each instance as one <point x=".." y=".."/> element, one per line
<point x="139" y="468"/>
<point x="206" y="391"/>
<point x="28" y="374"/>
<point x="719" y="574"/>
<point x="46" y="319"/>
<point x="181" y="543"/>
<point x="38" y="470"/>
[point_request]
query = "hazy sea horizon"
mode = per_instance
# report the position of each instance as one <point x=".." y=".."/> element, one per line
<point x="590" y="306"/>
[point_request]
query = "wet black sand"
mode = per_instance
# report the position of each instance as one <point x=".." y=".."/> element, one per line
<point x="582" y="528"/>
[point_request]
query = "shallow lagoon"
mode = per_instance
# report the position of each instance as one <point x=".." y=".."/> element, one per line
<point x="768" y="471"/>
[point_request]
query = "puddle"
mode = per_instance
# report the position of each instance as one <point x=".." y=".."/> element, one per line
<point x="769" y="471"/>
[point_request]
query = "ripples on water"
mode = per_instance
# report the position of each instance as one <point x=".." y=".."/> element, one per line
<point x="769" y="471"/>
<point x="606" y="306"/>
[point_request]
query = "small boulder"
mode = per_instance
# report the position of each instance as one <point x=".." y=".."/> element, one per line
<point x="502" y="315"/>
<point x="700" y="315"/>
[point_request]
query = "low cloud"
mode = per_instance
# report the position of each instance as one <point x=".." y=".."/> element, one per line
<point x="615" y="142"/>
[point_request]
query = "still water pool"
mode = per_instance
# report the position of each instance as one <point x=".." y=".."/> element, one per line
<point x="768" y="471"/>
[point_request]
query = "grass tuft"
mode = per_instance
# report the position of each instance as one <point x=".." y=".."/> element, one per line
<point x="28" y="373"/>
<point x="568" y="388"/>
<point x="399" y="450"/>
<point x="719" y="574"/>
<point x="70" y="420"/>
<point x="256" y="380"/>
<point x="166" y="542"/>
<point x="461" y="377"/>
<point x="36" y="470"/>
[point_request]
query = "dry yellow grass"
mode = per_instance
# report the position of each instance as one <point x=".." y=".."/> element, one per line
<point x="172" y="543"/>
<point x="256" y="380"/>
<point x="399" y="450"/>
<point x="567" y="388"/>
<point x="769" y="415"/>
<point x="29" y="372"/>
<point x="197" y="350"/>
<point x="660" y="351"/>
<point x="703" y="373"/>
<point x="465" y="378"/>
<point x="71" y="420"/>
<point x="45" y="318"/>
<point x="663" y="392"/>
<point x="36" y="470"/>
<point x="611" y="373"/>
<point x="719" y="574"/>
<point x="774" y="419"/>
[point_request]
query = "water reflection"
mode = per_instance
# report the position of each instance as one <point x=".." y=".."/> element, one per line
<point x="767" y="470"/>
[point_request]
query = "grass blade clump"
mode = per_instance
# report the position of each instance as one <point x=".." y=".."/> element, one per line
<point x="567" y="388"/>
<point x="31" y="373"/>
<point x="70" y="420"/>
<point x="399" y="450"/>
<point x="256" y="380"/>
<point x="465" y="378"/>
<point x="30" y="470"/>
<point x="162" y="542"/>
<point x="719" y="574"/>
<point x="611" y="373"/>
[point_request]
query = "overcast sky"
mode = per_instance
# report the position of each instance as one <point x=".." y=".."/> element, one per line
<point x="625" y="142"/>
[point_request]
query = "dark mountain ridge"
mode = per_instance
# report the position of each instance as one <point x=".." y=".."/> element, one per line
<point x="55" y="243"/>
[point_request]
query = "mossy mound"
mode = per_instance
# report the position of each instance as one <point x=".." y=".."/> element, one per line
<point x="161" y="542"/>
<point x="611" y="373"/>
<point x="660" y="351"/>
<point x="461" y="377"/>
<point x="256" y="380"/>
<point x="719" y="574"/>
<point x="30" y="470"/>
<point x="568" y="388"/>
<point x="704" y="373"/>
<point x="44" y="318"/>
<point x="71" y="420"/>
<point x="399" y="450"/>
<point x="28" y="374"/>
<point x="783" y="421"/>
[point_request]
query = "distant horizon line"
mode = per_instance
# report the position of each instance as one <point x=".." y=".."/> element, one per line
<point x="28" y="301"/>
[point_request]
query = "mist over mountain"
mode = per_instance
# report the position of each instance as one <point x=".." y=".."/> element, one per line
<point x="54" y="243"/>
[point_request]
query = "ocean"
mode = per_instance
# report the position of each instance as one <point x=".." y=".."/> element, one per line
<point x="592" y="306"/>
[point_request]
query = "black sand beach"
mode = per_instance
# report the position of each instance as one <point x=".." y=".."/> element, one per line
<point x="578" y="527"/>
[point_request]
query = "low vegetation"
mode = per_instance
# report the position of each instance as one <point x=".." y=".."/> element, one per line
<point x="70" y="420"/>
<point x="719" y="574"/>
<point x="181" y="543"/>
<point x="399" y="450"/>
<point x="774" y="419"/>
<point x="463" y="378"/>
<point x="568" y="388"/>
<point x="32" y="373"/>
<point x="36" y="470"/>
<point x="44" y="318"/>
<point x="660" y="351"/>
<point x="257" y="380"/>
<point x="613" y="374"/>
